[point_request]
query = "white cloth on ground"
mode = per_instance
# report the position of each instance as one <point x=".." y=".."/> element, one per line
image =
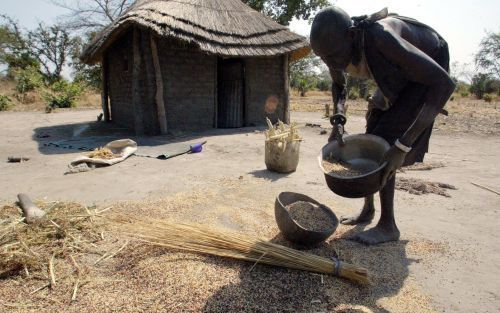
<point x="123" y="148"/>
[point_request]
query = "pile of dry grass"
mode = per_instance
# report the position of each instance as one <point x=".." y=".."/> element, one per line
<point x="423" y="166"/>
<point x="282" y="133"/>
<point x="420" y="187"/>
<point x="67" y="230"/>
<point x="103" y="153"/>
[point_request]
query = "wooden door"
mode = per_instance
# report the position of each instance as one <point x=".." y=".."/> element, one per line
<point x="230" y="93"/>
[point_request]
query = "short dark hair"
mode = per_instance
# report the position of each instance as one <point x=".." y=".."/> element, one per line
<point x="331" y="19"/>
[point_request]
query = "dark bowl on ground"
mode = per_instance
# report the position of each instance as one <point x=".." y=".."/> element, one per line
<point x="293" y="231"/>
<point x="364" y="152"/>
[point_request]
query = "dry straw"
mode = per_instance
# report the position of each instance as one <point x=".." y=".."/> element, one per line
<point x="103" y="153"/>
<point x="65" y="230"/>
<point x="205" y="240"/>
<point x="221" y="27"/>
<point x="280" y="136"/>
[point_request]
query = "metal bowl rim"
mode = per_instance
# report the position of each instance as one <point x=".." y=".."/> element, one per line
<point x="376" y="138"/>
<point x="332" y="214"/>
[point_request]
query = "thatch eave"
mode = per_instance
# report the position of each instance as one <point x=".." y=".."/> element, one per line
<point x="267" y="39"/>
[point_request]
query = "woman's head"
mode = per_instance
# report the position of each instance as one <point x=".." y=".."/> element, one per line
<point x="331" y="37"/>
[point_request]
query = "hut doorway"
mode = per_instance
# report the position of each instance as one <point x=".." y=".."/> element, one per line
<point x="231" y="88"/>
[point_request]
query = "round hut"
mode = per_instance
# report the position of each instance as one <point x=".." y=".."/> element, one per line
<point x="194" y="64"/>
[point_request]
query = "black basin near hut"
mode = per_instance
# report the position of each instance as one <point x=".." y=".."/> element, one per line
<point x="293" y="231"/>
<point x="364" y="152"/>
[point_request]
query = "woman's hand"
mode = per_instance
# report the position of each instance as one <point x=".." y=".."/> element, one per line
<point x="338" y="121"/>
<point x="395" y="158"/>
<point x="337" y="133"/>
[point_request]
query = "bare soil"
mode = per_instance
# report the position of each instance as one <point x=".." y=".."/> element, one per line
<point x="466" y="115"/>
<point x="445" y="261"/>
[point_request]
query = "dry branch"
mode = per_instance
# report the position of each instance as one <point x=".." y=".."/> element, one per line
<point x="31" y="212"/>
<point x="52" y="272"/>
<point x="17" y="159"/>
<point x="486" y="188"/>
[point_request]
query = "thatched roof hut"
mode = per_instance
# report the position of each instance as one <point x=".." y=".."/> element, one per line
<point x="194" y="64"/>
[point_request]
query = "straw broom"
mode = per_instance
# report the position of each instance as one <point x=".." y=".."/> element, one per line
<point x="201" y="239"/>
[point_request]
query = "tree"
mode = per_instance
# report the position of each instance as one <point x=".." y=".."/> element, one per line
<point x="324" y="79"/>
<point x="462" y="72"/>
<point x="89" y="75"/>
<point x="11" y="38"/>
<point x="304" y="73"/>
<point x="14" y="52"/>
<point x="483" y="84"/>
<point x="50" y="46"/>
<point x="283" y="11"/>
<point x="91" y="15"/>
<point x="488" y="56"/>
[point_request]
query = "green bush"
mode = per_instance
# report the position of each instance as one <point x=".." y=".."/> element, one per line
<point x="62" y="94"/>
<point x="324" y="84"/>
<point x="452" y="98"/>
<point x="28" y="79"/>
<point x="488" y="97"/>
<point x="5" y="103"/>
<point x="464" y="94"/>
<point x="304" y="85"/>
<point x="483" y="84"/>
<point x="353" y="94"/>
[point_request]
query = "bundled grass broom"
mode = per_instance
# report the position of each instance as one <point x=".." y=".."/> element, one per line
<point x="201" y="239"/>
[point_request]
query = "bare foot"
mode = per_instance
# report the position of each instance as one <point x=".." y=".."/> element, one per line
<point x="365" y="216"/>
<point x="377" y="234"/>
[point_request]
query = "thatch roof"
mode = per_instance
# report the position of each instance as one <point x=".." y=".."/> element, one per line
<point x="227" y="28"/>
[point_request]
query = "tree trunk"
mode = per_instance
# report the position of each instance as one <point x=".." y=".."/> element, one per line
<point x="160" y="100"/>
<point x="286" y="81"/>
<point x="105" y="91"/>
<point x="136" y="96"/>
<point x="31" y="212"/>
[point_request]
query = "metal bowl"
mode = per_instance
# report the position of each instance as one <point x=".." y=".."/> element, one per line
<point x="365" y="153"/>
<point x="293" y="231"/>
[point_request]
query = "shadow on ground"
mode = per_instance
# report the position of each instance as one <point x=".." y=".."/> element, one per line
<point x="268" y="175"/>
<point x="270" y="289"/>
<point x="60" y="139"/>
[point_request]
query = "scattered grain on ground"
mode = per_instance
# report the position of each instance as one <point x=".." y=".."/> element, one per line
<point x="420" y="166"/>
<point x="146" y="278"/>
<point x="420" y="187"/>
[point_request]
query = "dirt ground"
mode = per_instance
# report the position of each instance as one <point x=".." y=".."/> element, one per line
<point x="445" y="261"/>
<point x="465" y="114"/>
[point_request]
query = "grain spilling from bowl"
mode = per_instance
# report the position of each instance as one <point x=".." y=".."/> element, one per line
<point x="310" y="216"/>
<point x="341" y="168"/>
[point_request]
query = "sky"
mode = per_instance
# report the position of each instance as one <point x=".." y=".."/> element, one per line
<point x="30" y="12"/>
<point x="461" y="23"/>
